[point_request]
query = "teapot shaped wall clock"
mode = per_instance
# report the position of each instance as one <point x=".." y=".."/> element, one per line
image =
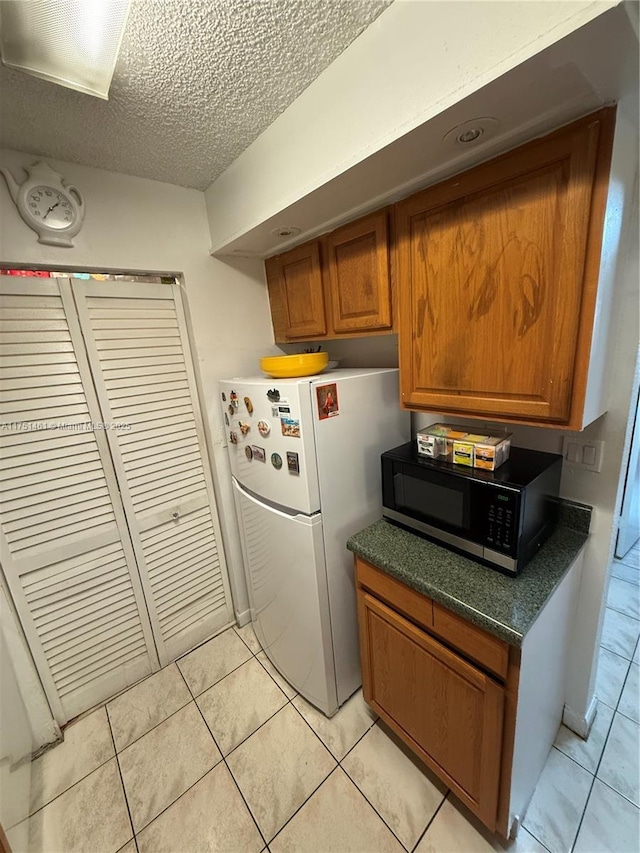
<point x="53" y="208"/>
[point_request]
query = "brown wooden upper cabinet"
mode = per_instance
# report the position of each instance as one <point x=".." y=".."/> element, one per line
<point x="296" y="294"/>
<point x="497" y="279"/>
<point x="335" y="287"/>
<point x="358" y="271"/>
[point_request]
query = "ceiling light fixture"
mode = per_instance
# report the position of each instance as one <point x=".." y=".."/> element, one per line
<point x="286" y="231"/>
<point x="472" y="130"/>
<point x="73" y="43"/>
<point x="470" y="135"/>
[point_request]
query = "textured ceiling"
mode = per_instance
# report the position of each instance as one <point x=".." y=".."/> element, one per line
<point x="195" y="83"/>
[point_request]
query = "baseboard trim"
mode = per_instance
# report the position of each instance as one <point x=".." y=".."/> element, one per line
<point x="580" y="723"/>
<point x="243" y="618"/>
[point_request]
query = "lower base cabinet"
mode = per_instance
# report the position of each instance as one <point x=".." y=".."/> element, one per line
<point x="453" y="692"/>
<point x="448" y="711"/>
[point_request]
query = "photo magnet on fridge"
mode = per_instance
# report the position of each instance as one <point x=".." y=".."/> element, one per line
<point x="327" y="401"/>
<point x="290" y="427"/>
<point x="258" y="453"/>
<point x="293" y="462"/>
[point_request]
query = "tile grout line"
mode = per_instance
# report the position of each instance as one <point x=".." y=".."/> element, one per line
<point x="334" y="756"/>
<point x="224" y="760"/>
<point x="610" y="606"/>
<point x="362" y="736"/>
<point x="629" y="662"/>
<point x="616" y="711"/>
<point x="594" y="775"/>
<point x="584" y="811"/>
<point x="331" y="753"/>
<point x="433" y="817"/>
<point x="192" y="699"/>
<point x="346" y="772"/>
<point x="209" y="686"/>
<point x="586" y="802"/>
<point x="124" y="790"/>
<point x="623" y="796"/>
<point x="153" y="728"/>
<point x="315" y="790"/>
<point x="77" y="782"/>
<point x="307" y="723"/>
<point x="186" y="791"/>
<point x="375" y="810"/>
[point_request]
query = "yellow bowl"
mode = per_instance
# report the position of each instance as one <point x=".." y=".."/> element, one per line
<point x="290" y="366"/>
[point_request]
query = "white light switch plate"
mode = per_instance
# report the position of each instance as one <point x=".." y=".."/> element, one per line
<point x="583" y="453"/>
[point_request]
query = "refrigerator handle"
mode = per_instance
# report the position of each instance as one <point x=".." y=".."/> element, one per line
<point x="275" y="508"/>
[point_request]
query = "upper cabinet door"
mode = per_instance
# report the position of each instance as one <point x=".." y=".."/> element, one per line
<point x="296" y="294"/>
<point x="497" y="275"/>
<point x="358" y="262"/>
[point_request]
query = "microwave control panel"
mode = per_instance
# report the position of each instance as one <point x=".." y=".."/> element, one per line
<point x="501" y="512"/>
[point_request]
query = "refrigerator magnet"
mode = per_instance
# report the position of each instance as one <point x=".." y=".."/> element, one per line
<point x="264" y="428"/>
<point x="258" y="453"/>
<point x="273" y="395"/>
<point x="248" y="404"/>
<point x="224" y="397"/>
<point x="233" y="397"/>
<point x="226" y="419"/>
<point x="231" y="410"/>
<point x="276" y="461"/>
<point x="290" y="427"/>
<point x="233" y="437"/>
<point x="244" y="428"/>
<point x="327" y="401"/>
<point x="248" y="452"/>
<point x="293" y="462"/>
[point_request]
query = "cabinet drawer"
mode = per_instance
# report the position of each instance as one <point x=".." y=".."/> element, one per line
<point x="482" y="647"/>
<point x="401" y="597"/>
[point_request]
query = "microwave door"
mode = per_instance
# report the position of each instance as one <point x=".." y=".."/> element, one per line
<point x="439" y="500"/>
<point x="435" y="506"/>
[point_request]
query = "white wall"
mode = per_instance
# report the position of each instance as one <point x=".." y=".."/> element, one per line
<point x="26" y="722"/>
<point x="417" y="59"/>
<point x="619" y="276"/>
<point x="134" y="224"/>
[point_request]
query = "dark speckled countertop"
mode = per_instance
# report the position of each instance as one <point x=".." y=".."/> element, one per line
<point x="506" y="606"/>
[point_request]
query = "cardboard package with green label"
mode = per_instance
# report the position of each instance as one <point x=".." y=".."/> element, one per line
<point x="451" y="443"/>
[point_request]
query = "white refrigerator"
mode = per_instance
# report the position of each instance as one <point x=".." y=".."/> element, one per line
<point x="305" y="460"/>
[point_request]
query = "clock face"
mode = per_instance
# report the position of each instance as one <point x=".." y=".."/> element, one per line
<point x="50" y="207"/>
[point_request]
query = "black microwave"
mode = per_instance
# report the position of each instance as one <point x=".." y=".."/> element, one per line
<point x="500" y="518"/>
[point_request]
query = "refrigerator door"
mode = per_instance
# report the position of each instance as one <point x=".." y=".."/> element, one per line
<point x="271" y="442"/>
<point x="286" y="574"/>
<point x="368" y="421"/>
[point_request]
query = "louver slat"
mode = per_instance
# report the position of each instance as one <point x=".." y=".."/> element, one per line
<point x="60" y="536"/>
<point x="161" y="460"/>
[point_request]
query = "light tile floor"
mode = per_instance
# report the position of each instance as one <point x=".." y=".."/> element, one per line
<point x="218" y="753"/>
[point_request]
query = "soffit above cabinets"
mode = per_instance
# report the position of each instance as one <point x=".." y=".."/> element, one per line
<point x="594" y="66"/>
<point x="196" y="82"/>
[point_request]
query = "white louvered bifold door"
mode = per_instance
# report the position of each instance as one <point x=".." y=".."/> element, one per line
<point x="64" y="543"/>
<point x="139" y="355"/>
